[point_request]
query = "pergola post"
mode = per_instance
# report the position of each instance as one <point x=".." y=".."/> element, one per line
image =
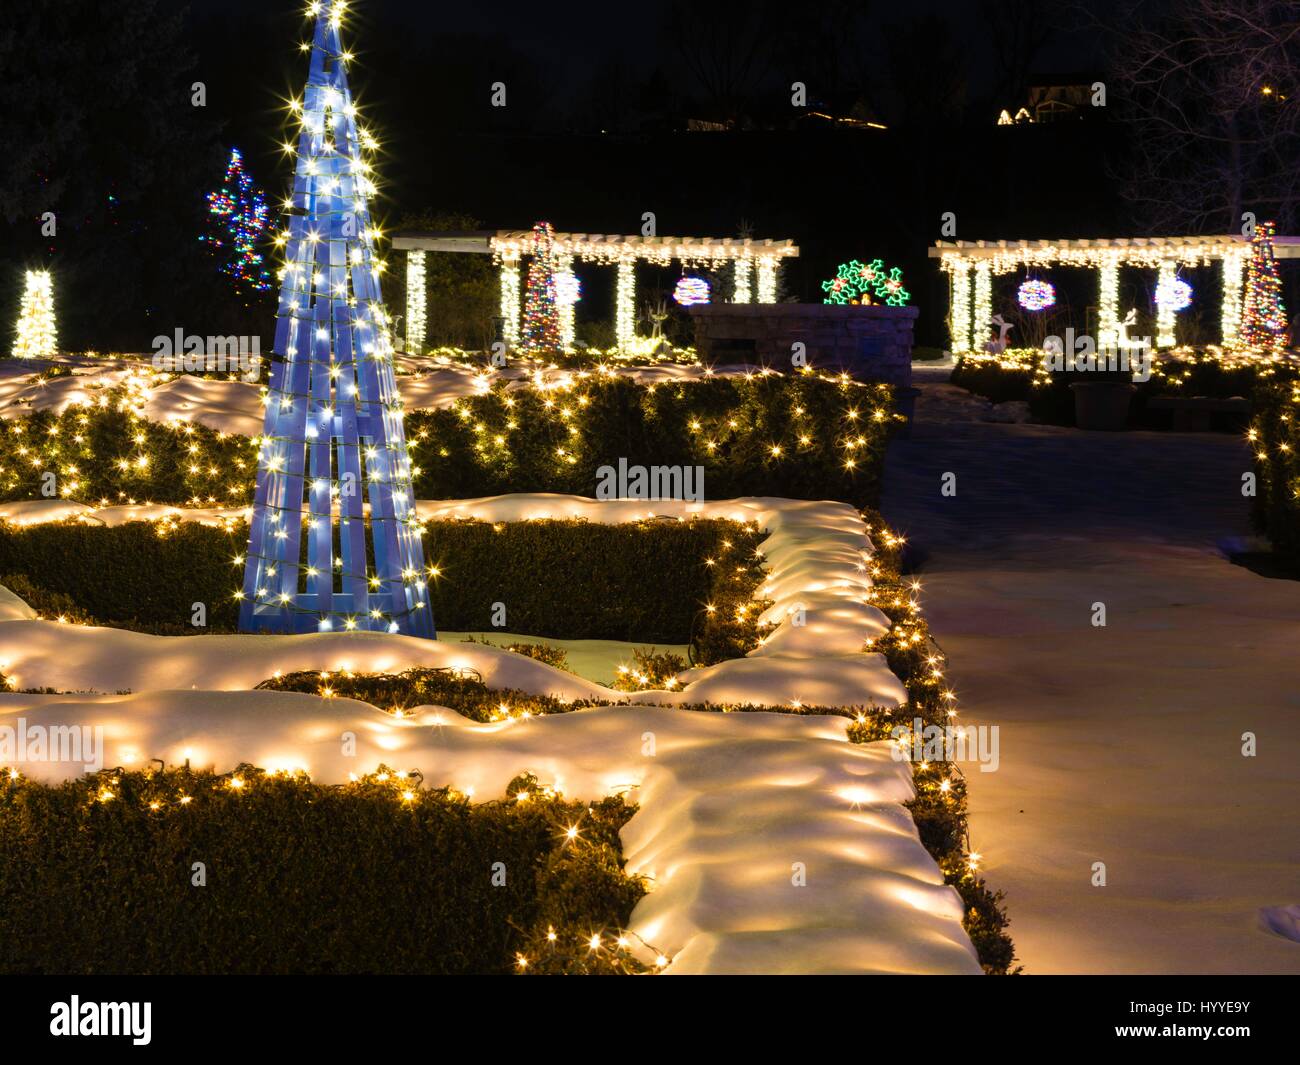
<point x="1108" y="303"/>
<point x="568" y="333"/>
<point x="959" y="306"/>
<point x="1165" y="277"/>
<point x="625" y="304"/>
<point x="742" y="291"/>
<point x="767" y="268"/>
<point x="1230" y="315"/>
<point x="415" y="303"/>
<point x="983" y="309"/>
<point x="510" y="299"/>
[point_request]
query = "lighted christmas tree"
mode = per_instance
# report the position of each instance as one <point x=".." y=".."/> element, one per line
<point x="239" y="224"/>
<point x="1263" y="318"/>
<point x="35" y="334"/>
<point x="332" y="441"/>
<point x="541" y="330"/>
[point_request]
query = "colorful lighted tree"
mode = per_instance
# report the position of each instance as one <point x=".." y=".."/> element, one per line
<point x="541" y="330"/>
<point x="333" y="440"/>
<point x="856" y="282"/>
<point x="34" y="335"/>
<point x="1263" y="317"/>
<point x="238" y="227"/>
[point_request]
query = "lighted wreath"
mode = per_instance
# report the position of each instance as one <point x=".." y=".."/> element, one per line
<point x="857" y="282"/>
<point x="1035" y="295"/>
<point x="1175" y="295"/>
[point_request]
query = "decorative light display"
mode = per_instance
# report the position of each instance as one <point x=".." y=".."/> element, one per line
<point x="691" y="291"/>
<point x="568" y="288"/>
<point x="742" y="291"/>
<point x="240" y="221"/>
<point x="1165" y="298"/>
<point x="416" y="303"/>
<point x="333" y="441"/>
<point x="856" y="282"/>
<point x="1108" y="302"/>
<point x="541" y="330"/>
<point x="510" y="296"/>
<point x="959" y="307"/>
<point x="767" y="267"/>
<point x="1036" y="295"/>
<point x="1175" y="295"/>
<point x="35" y="334"/>
<point x="1230" y="313"/>
<point x="983" y="309"/>
<point x="1263" y="317"/>
<point x="568" y="291"/>
<point x="625" y="305"/>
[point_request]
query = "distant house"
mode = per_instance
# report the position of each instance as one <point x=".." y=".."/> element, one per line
<point x="1054" y="99"/>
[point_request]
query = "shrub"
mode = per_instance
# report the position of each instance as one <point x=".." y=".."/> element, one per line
<point x="380" y="876"/>
<point x="1275" y="437"/>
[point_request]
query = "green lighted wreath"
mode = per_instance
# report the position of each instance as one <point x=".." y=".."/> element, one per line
<point x="856" y="282"/>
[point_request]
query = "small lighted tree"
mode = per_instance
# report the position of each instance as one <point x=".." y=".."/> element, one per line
<point x="238" y="226"/>
<point x="1263" y="317"/>
<point x="541" y="310"/>
<point x="35" y="333"/>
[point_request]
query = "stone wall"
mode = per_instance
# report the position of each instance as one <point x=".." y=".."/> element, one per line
<point x="872" y="343"/>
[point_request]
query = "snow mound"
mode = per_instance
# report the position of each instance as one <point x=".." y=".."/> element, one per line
<point x="735" y="810"/>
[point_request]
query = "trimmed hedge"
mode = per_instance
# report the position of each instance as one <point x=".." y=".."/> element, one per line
<point x="380" y="876"/>
<point x="648" y="581"/>
<point x="940" y="806"/>
<point x="798" y="436"/>
<point x="1275" y="439"/>
<point x="767" y="435"/>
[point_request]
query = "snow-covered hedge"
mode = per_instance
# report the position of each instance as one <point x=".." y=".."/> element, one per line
<point x="647" y="580"/>
<point x="185" y="872"/>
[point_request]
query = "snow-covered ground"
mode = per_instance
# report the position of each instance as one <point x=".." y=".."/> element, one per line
<point x="734" y="811"/>
<point x="596" y="660"/>
<point x="1119" y="744"/>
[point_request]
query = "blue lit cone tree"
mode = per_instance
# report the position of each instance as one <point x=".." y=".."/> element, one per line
<point x="332" y="435"/>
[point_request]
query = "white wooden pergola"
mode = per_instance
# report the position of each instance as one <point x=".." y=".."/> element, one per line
<point x="757" y="263"/>
<point x="971" y="266"/>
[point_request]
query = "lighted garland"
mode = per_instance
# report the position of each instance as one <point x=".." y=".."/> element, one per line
<point x="1263" y="316"/>
<point x="691" y="291"/>
<point x="239" y="224"/>
<point x="1035" y="295"/>
<point x="865" y="283"/>
<point x="34" y="335"/>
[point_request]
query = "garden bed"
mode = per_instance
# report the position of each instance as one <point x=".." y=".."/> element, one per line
<point x="1275" y="439"/>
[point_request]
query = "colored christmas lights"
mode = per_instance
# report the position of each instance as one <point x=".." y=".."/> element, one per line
<point x="856" y="282"/>
<point x="1176" y="295"/>
<point x="1035" y="295"/>
<point x="35" y="335"/>
<point x="541" y="329"/>
<point x="691" y="291"/>
<point x="239" y="223"/>
<point x="333" y="466"/>
<point x="1263" y="317"/>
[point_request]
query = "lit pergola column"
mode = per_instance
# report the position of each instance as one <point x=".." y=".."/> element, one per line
<point x="625" y="304"/>
<point x="767" y="268"/>
<point x="1108" y="302"/>
<point x="510" y="300"/>
<point x="415" y="303"/>
<point x="1168" y="273"/>
<point x="959" y="307"/>
<point x="1230" y="316"/>
<point x="743" y="291"/>
<point x="983" y="309"/>
<point x="568" y="331"/>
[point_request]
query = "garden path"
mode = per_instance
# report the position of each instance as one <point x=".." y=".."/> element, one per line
<point x="1118" y="744"/>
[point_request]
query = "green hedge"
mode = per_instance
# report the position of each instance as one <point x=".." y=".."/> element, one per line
<point x="1275" y="439"/>
<point x="96" y="876"/>
<point x="550" y="441"/>
<point x="639" y="581"/>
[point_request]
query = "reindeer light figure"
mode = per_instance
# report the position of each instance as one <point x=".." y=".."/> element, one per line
<point x="997" y="347"/>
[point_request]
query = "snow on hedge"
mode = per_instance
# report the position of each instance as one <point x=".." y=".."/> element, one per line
<point x="815" y="555"/>
<point x="735" y="810"/>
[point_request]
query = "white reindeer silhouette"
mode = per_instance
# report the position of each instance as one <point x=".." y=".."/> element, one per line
<point x="997" y="347"/>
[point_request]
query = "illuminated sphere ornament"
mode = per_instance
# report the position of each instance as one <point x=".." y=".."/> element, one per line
<point x="1034" y="295"/>
<point x="1175" y="295"/>
<point x="691" y="291"/>
<point x="568" y="289"/>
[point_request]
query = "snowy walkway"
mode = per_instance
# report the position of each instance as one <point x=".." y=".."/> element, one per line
<point x="1119" y="744"/>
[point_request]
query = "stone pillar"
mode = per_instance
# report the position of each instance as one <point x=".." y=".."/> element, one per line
<point x="415" y="303"/>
